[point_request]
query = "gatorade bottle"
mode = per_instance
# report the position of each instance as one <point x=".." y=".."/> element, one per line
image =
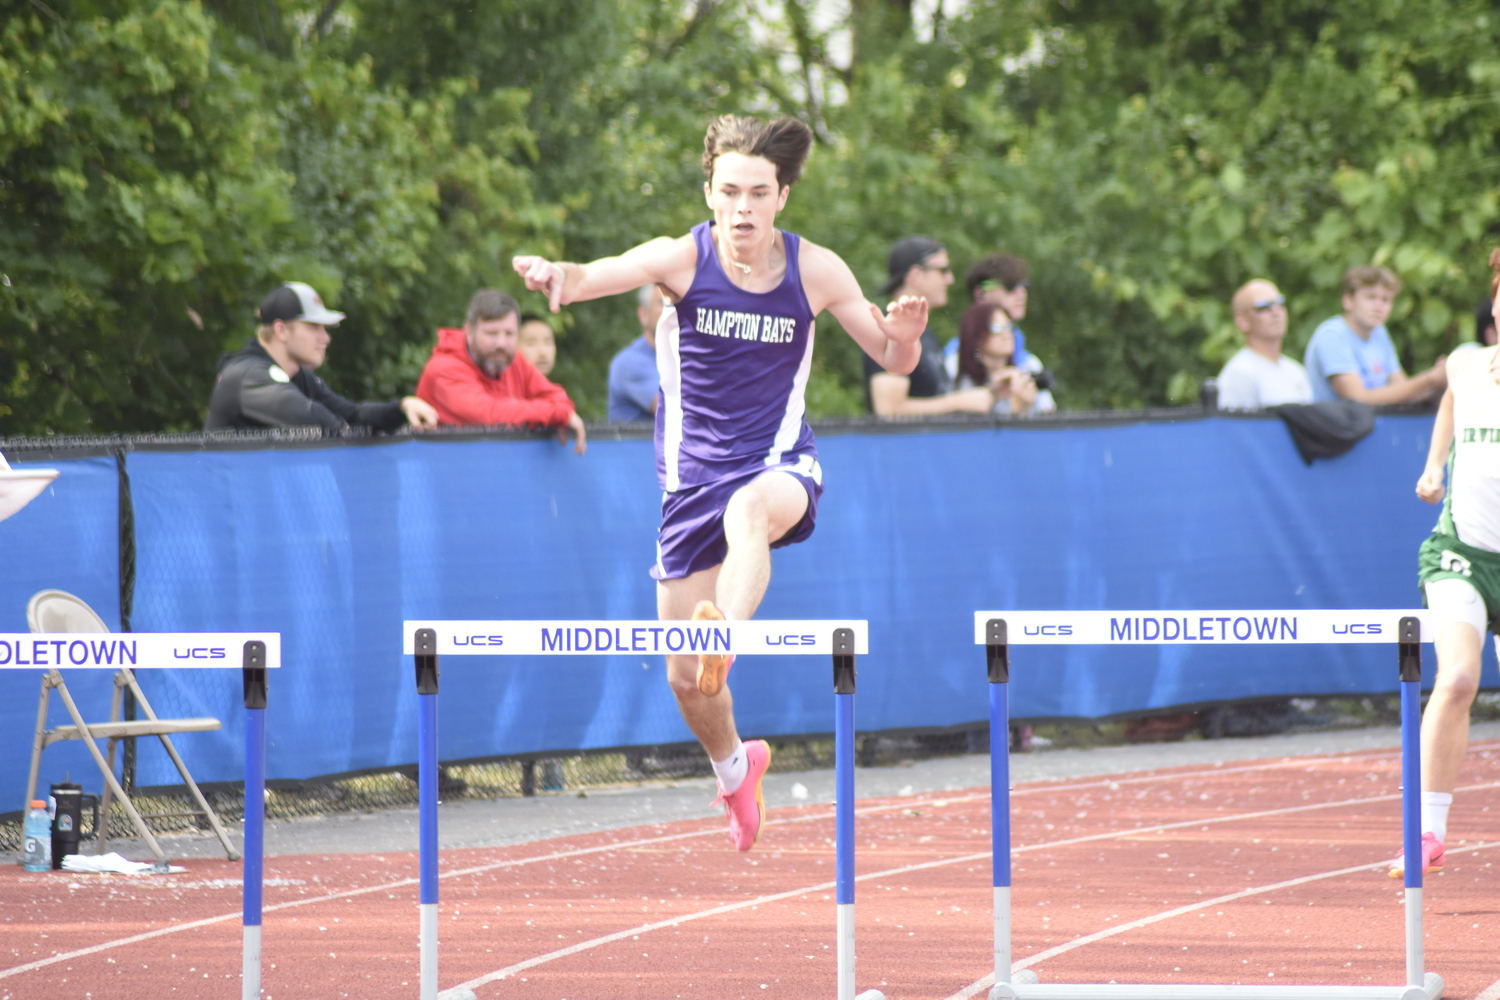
<point x="38" y="838"/>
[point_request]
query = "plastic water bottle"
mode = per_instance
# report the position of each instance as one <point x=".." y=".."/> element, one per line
<point x="38" y="838"/>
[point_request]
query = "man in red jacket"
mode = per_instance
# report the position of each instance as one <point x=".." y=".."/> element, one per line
<point x="475" y="375"/>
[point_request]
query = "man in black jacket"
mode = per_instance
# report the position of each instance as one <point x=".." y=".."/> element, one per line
<point x="270" y="382"/>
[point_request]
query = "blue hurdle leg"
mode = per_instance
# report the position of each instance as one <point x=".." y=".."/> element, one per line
<point x="1000" y="822"/>
<point x="1410" y="659"/>
<point x="427" y="802"/>
<point x="254" y="671"/>
<point x="255" y="840"/>
<point x="843" y="771"/>
<point x="1411" y="823"/>
<point x="997" y="667"/>
<point x="843" y="756"/>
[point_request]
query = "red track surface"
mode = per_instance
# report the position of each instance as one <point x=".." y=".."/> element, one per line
<point x="672" y="911"/>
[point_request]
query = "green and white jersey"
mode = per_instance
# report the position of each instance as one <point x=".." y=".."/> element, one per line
<point x="1471" y="508"/>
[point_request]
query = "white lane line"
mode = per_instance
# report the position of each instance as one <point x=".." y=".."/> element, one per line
<point x="582" y="946"/>
<point x="928" y="799"/>
<point x="983" y="985"/>
<point x="453" y="873"/>
<point x="1491" y="992"/>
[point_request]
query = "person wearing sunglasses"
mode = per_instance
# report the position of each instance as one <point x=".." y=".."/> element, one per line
<point x="1352" y="357"/>
<point x="1002" y="279"/>
<point x="918" y="266"/>
<point x="987" y="357"/>
<point x="1259" y="375"/>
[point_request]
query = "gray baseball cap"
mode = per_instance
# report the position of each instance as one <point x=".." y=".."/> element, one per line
<point x="295" y="300"/>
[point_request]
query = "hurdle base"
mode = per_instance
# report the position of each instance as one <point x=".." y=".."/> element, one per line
<point x="1023" y="977"/>
<point x="457" y="993"/>
<point x="1431" y="989"/>
<point x="871" y="995"/>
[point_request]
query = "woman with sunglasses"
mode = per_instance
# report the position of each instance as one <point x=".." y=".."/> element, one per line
<point x="987" y="357"/>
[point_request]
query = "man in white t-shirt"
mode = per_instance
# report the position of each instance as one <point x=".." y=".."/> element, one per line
<point x="1259" y="375"/>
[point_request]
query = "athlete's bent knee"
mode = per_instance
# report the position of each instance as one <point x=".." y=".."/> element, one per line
<point x="747" y="510"/>
<point x="683" y="677"/>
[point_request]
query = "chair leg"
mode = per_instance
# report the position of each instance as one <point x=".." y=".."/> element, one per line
<point x="213" y="817"/>
<point x="39" y="740"/>
<point x="109" y="775"/>
<point x="101" y="835"/>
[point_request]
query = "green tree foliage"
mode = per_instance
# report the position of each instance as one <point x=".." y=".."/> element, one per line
<point x="164" y="163"/>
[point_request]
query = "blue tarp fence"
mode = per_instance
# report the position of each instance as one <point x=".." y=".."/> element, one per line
<point x="335" y="546"/>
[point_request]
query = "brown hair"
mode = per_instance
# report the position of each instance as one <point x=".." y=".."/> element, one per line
<point x="1495" y="272"/>
<point x="1005" y="268"/>
<point x="488" y="304"/>
<point x="973" y="331"/>
<point x="1369" y="275"/>
<point x="785" y="142"/>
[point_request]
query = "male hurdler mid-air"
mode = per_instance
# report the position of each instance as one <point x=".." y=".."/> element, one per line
<point x="734" y="454"/>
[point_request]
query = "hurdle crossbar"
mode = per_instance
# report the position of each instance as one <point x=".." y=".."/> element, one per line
<point x="997" y="631"/>
<point x="842" y="640"/>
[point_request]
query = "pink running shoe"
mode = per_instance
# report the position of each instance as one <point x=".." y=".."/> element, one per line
<point x="1432" y="857"/>
<point x="745" y="806"/>
<point x="713" y="669"/>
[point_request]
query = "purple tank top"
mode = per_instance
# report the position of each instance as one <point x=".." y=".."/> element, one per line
<point x="734" y="368"/>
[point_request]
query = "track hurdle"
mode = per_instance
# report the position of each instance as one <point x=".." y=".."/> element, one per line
<point x="843" y="640"/>
<point x="259" y="651"/>
<point x="997" y="631"/>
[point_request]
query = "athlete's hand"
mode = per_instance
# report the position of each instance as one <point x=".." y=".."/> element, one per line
<point x="904" y="319"/>
<point x="1430" y="486"/>
<point x="542" y="276"/>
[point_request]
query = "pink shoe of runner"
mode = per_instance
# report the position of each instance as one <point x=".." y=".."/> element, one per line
<point x="1432" y="857"/>
<point x="745" y="806"/>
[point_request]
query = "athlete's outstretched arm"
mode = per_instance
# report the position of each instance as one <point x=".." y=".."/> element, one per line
<point x="662" y="261"/>
<point x="892" y="338"/>
<point x="1430" y="486"/>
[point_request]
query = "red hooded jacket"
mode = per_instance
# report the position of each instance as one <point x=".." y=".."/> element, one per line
<point x="463" y="394"/>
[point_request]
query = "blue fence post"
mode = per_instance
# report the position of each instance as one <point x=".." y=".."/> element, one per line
<point x="427" y="801"/>
<point x="254" y="674"/>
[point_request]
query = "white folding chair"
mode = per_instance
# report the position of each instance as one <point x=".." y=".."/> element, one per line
<point x="58" y="611"/>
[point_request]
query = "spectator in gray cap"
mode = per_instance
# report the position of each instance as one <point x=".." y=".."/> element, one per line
<point x="270" y="382"/>
<point x="919" y="266"/>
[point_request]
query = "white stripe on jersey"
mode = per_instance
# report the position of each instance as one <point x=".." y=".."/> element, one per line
<point x="669" y="367"/>
<point x="796" y="404"/>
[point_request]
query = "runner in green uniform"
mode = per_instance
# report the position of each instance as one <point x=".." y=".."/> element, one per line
<point x="1459" y="570"/>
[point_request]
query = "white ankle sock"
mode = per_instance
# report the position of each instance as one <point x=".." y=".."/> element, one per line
<point x="731" y="770"/>
<point x="1435" y="813"/>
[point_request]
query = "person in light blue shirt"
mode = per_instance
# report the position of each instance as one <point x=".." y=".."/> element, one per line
<point x="1352" y="357"/>
<point x="633" y="378"/>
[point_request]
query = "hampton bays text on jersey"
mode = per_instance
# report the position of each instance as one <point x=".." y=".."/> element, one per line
<point x="746" y="326"/>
